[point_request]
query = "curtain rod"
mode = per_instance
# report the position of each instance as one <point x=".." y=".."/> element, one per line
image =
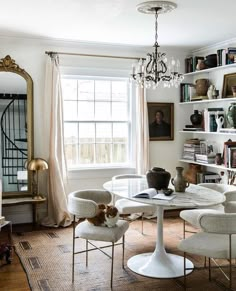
<point x="91" y="55"/>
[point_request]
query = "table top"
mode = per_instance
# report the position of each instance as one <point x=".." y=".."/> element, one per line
<point x="194" y="196"/>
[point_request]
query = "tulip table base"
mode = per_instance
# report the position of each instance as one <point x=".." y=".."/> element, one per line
<point x="159" y="265"/>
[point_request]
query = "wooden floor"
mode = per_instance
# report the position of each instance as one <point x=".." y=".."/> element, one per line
<point x="12" y="276"/>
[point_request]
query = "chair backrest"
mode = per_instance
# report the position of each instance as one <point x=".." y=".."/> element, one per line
<point x="84" y="203"/>
<point x="218" y="187"/>
<point x="128" y="176"/>
<point x="222" y="223"/>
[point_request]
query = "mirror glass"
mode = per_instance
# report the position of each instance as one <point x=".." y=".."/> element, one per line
<point x="16" y="128"/>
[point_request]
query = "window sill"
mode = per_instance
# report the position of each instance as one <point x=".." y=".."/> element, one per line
<point x="89" y="173"/>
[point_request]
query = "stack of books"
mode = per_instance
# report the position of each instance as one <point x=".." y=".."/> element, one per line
<point x="191" y="148"/>
<point x="206" y="159"/>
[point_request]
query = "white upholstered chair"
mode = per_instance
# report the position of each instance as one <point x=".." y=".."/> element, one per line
<point x="216" y="240"/>
<point x="229" y="206"/>
<point x="127" y="207"/>
<point x="84" y="204"/>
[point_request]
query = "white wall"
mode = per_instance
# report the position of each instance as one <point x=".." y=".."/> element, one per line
<point x="30" y="55"/>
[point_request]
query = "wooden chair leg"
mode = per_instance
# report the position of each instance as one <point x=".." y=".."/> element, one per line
<point x="209" y="268"/>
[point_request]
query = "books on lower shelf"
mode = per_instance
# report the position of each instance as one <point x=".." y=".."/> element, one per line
<point x="230" y="154"/>
<point x="191" y="147"/>
<point x="205" y="159"/>
<point x="208" y="177"/>
<point x="152" y="193"/>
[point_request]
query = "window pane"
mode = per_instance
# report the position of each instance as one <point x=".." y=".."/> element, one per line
<point x="119" y="91"/>
<point x="86" y="132"/>
<point x="119" y="153"/>
<point x="120" y="132"/>
<point x="86" y="154"/>
<point x="86" y="90"/>
<point x="103" y="132"/>
<point x="70" y="110"/>
<point x="119" y="111"/>
<point x="102" y="90"/>
<point x="103" y="153"/>
<point x="85" y="110"/>
<point x="102" y="110"/>
<point x="69" y="89"/>
<point x="71" y="143"/>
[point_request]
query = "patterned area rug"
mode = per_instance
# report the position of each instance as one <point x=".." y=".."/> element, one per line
<point x="46" y="257"/>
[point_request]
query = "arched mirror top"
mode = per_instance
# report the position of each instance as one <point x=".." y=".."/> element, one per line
<point x="14" y="89"/>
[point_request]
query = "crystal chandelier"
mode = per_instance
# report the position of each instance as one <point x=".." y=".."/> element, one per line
<point x="153" y="70"/>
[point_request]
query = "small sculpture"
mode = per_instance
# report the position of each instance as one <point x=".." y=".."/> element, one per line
<point x="219" y="121"/>
<point x="210" y="91"/>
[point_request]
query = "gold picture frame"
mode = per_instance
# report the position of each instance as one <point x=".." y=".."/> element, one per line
<point x="229" y="81"/>
<point x="161" y="121"/>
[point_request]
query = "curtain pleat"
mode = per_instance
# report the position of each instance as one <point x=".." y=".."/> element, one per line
<point x="58" y="214"/>
<point x="142" y="133"/>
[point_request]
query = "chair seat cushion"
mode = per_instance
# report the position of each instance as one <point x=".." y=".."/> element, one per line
<point x="126" y="206"/>
<point x="209" y="245"/>
<point x="89" y="231"/>
<point x="191" y="215"/>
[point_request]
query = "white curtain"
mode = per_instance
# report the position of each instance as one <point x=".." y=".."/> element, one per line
<point x="142" y="133"/>
<point x="58" y="214"/>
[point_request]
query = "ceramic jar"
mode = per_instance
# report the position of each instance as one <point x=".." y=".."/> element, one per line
<point x="196" y="118"/>
<point x="158" y="178"/>
<point x="231" y="115"/>
<point x="179" y="181"/>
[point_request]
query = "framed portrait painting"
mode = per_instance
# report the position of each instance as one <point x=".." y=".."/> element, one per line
<point x="161" y="121"/>
<point x="229" y="86"/>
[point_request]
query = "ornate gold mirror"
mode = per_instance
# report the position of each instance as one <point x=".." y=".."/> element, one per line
<point x="16" y="128"/>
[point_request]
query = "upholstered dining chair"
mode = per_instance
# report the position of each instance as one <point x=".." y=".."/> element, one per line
<point x="229" y="206"/>
<point x="84" y="204"/>
<point x="216" y="240"/>
<point x="127" y="207"/>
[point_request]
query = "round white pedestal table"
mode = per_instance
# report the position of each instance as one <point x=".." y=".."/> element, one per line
<point x="161" y="264"/>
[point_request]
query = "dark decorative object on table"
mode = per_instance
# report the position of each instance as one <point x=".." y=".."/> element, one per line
<point x="158" y="178"/>
<point x="196" y="118"/>
<point x="5" y="252"/>
<point x="179" y="182"/>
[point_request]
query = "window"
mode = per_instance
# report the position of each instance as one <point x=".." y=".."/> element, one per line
<point x="97" y="121"/>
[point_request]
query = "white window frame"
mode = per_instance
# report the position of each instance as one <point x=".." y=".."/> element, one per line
<point x="130" y="165"/>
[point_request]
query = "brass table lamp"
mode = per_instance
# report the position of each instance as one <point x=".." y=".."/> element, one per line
<point x="37" y="165"/>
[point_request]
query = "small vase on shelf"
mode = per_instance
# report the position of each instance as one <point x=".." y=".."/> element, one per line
<point x="196" y="118"/>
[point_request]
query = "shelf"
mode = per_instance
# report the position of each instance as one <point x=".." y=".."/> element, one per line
<point x="210" y="70"/>
<point x="206" y="132"/>
<point x="208" y="101"/>
<point x="208" y="165"/>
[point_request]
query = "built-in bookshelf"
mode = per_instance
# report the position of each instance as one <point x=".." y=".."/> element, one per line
<point x="214" y="74"/>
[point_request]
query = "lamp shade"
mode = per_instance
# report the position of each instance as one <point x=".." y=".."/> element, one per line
<point x="37" y="164"/>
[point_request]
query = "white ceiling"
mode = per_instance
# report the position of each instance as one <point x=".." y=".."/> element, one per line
<point x="194" y="24"/>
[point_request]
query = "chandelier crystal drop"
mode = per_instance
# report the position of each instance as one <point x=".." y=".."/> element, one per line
<point x="153" y="70"/>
